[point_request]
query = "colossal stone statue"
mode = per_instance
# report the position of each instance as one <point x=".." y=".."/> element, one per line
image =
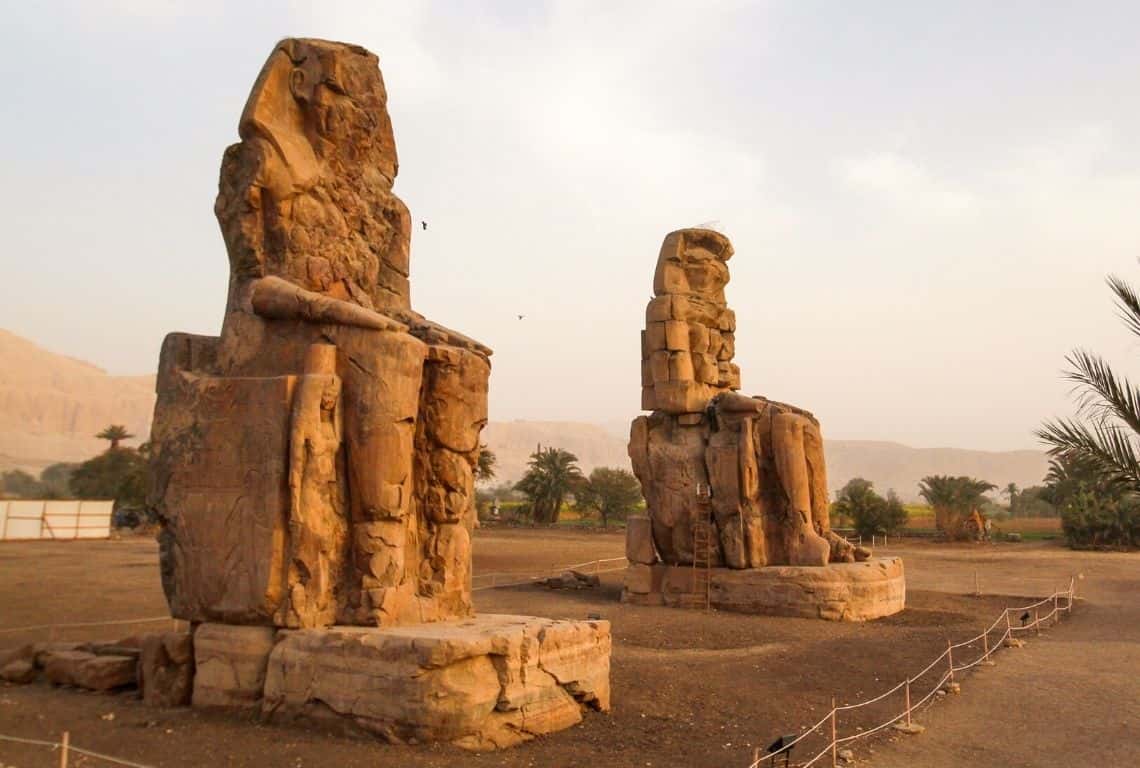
<point x="730" y="481"/>
<point x="313" y="464"/>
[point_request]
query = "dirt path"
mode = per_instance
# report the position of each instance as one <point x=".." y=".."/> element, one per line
<point x="690" y="688"/>
<point x="1071" y="696"/>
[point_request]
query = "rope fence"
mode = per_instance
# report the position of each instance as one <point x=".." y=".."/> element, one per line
<point x="1025" y="618"/>
<point x="66" y="748"/>
<point x="513" y="579"/>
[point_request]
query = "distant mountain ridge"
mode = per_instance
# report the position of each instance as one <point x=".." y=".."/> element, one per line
<point x="888" y="465"/>
<point x="52" y="405"/>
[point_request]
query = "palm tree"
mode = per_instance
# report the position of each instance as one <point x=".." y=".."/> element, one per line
<point x="953" y="499"/>
<point x="1107" y="435"/>
<point x="485" y="464"/>
<point x="116" y="433"/>
<point x="553" y="474"/>
<point x="1011" y="491"/>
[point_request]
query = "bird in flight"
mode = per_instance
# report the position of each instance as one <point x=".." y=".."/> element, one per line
<point x="521" y="317"/>
<point x="424" y="224"/>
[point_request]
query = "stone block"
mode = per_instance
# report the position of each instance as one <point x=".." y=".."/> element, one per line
<point x="87" y="670"/>
<point x="698" y="337"/>
<point x="659" y="365"/>
<point x="229" y="664"/>
<point x="705" y="368"/>
<point x="487" y="682"/>
<point x="727" y="347"/>
<point x="681" y="396"/>
<point x="166" y="669"/>
<point x="680" y="366"/>
<point x="659" y="309"/>
<point x="648" y="399"/>
<point x="655" y="337"/>
<point x="18" y="665"/>
<point x="639" y="540"/>
<point x="226" y="501"/>
<point x="837" y="592"/>
<point x="644" y="579"/>
<point x="677" y="336"/>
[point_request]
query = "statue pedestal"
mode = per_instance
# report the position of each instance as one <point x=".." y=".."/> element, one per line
<point x="487" y="682"/>
<point x="837" y="592"/>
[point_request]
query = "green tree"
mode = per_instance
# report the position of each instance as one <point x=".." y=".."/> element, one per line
<point x="1097" y="510"/>
<point x="116" y="433"/>
<point x="117" y="473"/>
<point x="56" y="480"/>
<point x="1095" y="475"/>
<point x="1010" y="491"/>
<point x="612" y="493"/>
<point x="552" y="475"/>
<point x="19" y="483"/>
<point x="953" y="499"/>
<point x="485" y="465"/>
<point x="869" y="512"/>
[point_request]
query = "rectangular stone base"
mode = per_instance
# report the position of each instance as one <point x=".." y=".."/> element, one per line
<point x="838" y="592"/>
<point x="482" y="683"/>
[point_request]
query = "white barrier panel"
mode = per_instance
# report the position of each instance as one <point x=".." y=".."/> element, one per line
<point x="94" y="520"/>
<point x="23" y="520"/>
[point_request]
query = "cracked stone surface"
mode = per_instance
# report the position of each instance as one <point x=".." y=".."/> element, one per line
<point x="487" y="682"/>
<point x="312" y="464"/>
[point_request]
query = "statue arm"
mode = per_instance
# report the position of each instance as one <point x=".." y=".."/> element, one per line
<point x="433" y="332"/>
<point x="278" y="299"/>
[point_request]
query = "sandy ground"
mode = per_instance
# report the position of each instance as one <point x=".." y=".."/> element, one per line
<point x="690" y="689"/>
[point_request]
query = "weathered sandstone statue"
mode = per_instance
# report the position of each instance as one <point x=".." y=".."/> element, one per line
<point x="312" y="466"/>
<point x="730" y="481"/>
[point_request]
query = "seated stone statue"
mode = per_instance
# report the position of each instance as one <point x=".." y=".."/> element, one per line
<point x="753" y="467"/>
<point x="313" y="464"/>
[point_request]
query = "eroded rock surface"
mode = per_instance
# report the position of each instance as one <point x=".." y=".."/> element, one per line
<point x="752" y="466"/>
<point x="166" y="669"/>
<point x="312" y="465"/>
<point x="487" y="682"/>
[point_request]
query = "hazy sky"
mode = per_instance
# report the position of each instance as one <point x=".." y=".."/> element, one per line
<point x="924" y="198"/>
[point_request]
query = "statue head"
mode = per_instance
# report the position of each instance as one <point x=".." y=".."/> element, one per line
<point x="693" y="261"/>
<point x="319" y="100"/>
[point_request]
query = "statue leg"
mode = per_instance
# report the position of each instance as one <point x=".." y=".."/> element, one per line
<point x="382" y="373"/>
<point x="805" y="545"/>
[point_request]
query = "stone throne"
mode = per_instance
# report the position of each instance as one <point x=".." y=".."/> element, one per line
<point x="312" y="466"/>
<point x="735" y="486"/>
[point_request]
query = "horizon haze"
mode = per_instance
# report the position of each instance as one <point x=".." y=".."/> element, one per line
<point x="924" y="201"/>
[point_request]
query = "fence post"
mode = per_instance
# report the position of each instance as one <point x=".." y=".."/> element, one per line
<point x="1008" y="627"/>
<point x="985" y="645"/>
<point x="63" y="750"/>
<point x="977" y="584"/>
<point x="1037" y="620"/>
<point x="834" y="743"/>
<point x="908" y="701"/>
<point x="1056" y="612"/>
<point x="950" y="658"/>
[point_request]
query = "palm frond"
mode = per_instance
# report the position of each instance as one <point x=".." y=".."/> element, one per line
<point x="1100" y="392"/>
<point x="1109" y="446"/>
<point x="1127" y="303"/>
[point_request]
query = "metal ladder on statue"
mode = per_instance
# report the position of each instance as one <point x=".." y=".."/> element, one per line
<point x="703" y="544"/>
